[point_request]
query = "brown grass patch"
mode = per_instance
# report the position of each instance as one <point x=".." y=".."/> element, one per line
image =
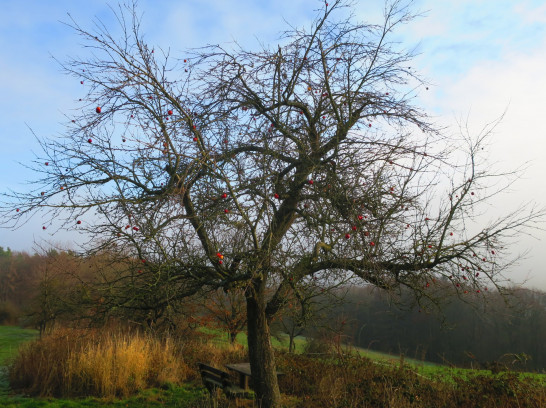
<point x="73" y="362"/>
<point x="355" y="382"/>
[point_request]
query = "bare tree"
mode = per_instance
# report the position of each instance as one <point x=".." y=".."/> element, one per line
<point x="227" y="311"/>
<point x="264" y="170"/>
<point x="309" y="305"/>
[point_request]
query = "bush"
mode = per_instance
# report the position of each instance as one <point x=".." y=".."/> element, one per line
<point x="356" y="382"/>
<point x="315" y="346"/>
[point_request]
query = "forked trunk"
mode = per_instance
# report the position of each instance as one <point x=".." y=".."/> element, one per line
<point x="291" y="345"/>
<point x="262" y="358"/>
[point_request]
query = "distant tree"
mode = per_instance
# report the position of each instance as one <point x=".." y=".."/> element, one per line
<point x="227" y="310"/>
<point x="8" y="275"/>
<point x="47" y="303"/>
<point x="264" y="169"/>
<point x="5" y="253"/>
<point x="478" y="329"/>
<point x="308" y="307"/>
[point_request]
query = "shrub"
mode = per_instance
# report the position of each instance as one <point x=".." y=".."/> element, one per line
<point x="314" y="346"/>
<point x="355" y="382"/>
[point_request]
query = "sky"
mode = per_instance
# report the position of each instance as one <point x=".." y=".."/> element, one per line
<point x="483" y="59"/>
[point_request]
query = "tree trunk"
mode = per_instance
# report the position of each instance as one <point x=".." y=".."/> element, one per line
<point x="232" y="337"/>
<point x="260" y="350"/>
<point x="291" y="345"/>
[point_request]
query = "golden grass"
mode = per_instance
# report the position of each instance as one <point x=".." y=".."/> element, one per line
<point x="77" y="362"/>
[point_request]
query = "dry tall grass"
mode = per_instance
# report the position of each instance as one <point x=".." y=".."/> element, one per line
<point x="78" y="362"/>
<point x="356" y="382"/>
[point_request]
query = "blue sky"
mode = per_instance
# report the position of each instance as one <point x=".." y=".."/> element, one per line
<point x="483" y="58"/>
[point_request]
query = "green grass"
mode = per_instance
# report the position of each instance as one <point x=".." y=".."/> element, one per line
<point x="220" y="339"/>
<point x="178" y="397"/>
<point x="448" y="374"/>
<point x="425" y="368"/>
<point x="10" y="340"/>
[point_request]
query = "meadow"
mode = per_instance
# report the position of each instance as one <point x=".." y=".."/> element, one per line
<point x="353" y="378"/>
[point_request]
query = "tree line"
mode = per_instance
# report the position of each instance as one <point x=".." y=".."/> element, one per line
<point x="60" y="288"/>
<point x="503" y="329"/>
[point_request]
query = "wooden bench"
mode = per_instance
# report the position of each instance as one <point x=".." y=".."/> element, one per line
<point x="215" y="379"/>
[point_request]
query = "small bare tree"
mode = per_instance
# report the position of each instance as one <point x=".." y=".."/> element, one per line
<point x="227" y="311"/>
<point x="263" y="170"/>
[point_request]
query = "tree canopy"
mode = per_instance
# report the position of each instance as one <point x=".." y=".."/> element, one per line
<point x="293" y="166"/>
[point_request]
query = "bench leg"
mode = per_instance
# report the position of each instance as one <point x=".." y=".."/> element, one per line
<point x="243" y="381"/>
<point x="214" y="398"/>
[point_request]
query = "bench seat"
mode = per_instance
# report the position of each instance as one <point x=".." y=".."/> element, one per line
<point x="215" y="379"/>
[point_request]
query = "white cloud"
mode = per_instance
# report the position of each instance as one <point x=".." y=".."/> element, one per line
<point x="529" y="14"/>
<point x="515" y="83"/>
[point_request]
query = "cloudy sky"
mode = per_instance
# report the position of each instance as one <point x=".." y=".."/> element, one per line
<point x="484" y="58"/>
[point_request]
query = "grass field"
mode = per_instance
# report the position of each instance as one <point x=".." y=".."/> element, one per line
<point x="193" y="395"/>
<point x="11" y="338"/>
<point x="425" y="368"/>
